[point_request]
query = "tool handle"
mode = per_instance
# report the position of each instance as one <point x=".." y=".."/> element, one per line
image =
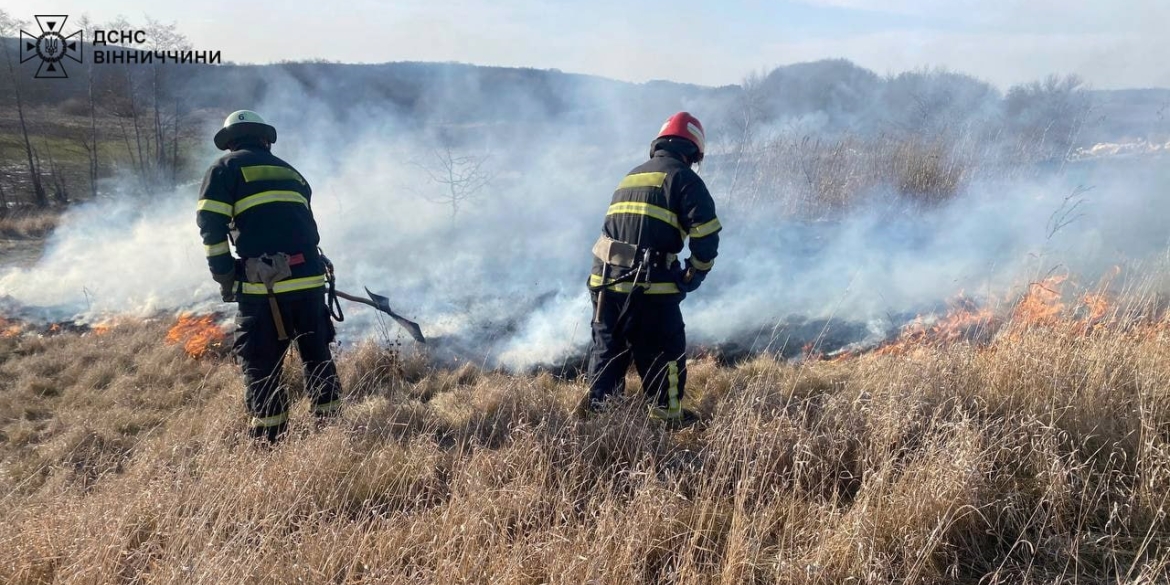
<point x="281" y="334"/>
<point x="601" y="292"/>
<point x="410" y="326"/>
<point x="356" y="299"/>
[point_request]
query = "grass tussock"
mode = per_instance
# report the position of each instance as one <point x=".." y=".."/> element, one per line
<point x="27" y="224"/>
<point x="1042" y="459"/>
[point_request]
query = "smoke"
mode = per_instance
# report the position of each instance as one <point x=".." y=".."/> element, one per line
<point x="122" y="255"/>
<point x="502" y="281"/>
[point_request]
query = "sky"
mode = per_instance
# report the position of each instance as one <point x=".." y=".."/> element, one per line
<point x="1110" y="43"/>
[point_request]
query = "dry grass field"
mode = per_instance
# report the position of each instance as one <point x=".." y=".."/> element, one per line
<point x="1041" y="456"/>
<point x="27" y="224"/>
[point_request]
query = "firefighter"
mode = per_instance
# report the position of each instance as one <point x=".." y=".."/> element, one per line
<point x="261" y="205"/>
<point x="638" y="281"/>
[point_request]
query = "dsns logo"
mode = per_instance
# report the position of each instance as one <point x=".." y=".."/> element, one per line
<point x="51" y="46"/>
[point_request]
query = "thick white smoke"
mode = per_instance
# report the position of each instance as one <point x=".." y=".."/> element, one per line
<point x="503" y="281"/>
<point x="122" y="255"/>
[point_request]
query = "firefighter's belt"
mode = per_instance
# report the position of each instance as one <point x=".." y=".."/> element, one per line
<point x="270" y="269"/>
<point x="615" y="253"/>
<point x="624" y="255"/>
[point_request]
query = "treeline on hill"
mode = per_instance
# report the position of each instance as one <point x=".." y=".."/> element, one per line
<point x="817" y="134"/>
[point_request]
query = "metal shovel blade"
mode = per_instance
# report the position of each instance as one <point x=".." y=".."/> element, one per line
<point x="383" y="304"/>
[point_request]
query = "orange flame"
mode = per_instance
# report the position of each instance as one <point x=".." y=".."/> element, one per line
<point x="9" y="328"/>
<point x="198" y="335"/>
<point x="810" y="352"/>
<point x="964" y="321"/>
<point x="1152" y="329"/>
<point x="1097" y="309"/>
<point x="843" y="356"/>
<point x="1041" y="305"/>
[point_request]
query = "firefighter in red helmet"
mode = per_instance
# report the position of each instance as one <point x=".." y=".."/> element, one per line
<point x="638" y="280"/>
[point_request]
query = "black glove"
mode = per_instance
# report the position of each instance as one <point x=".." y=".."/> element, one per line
<point x="227" y="285"/>
<point x="325" y="263"/>
<point x="689" y="278"/>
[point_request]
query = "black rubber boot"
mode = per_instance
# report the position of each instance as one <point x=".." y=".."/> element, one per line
<point x="687" y="419"/>
<point x="272" y="434"/>
<point x="587" y="408"/>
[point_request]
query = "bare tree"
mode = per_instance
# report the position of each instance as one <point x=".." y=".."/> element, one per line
<point x="10" y="27"/>
<point x="90" y="143"/>
<point x="59" y="184"/>
<point x="460" y="177"/>
<point x="750" y="110"/>
<point x="126" y="105"/>
<point x="1048" y="115"/>
<point x="163" y="38"/>
<point x="149" y="109"/>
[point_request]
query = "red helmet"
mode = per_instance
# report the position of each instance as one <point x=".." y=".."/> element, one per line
<point x="684" y="125"/>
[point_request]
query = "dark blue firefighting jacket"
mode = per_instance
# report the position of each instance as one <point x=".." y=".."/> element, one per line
<point x="267" y="202"/>
<point x="659" y="205"/>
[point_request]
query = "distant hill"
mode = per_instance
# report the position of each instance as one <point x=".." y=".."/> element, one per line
<point x="828" y="96"/>
<point x="445" y="92"/>
<point x="151" y="118"/>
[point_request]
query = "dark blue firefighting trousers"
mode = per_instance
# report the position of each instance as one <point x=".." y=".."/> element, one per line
<point x="261" y="353"/>
<point x="651" y="334"/>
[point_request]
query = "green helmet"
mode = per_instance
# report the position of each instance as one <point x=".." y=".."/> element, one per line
<point x="243" y="124"/>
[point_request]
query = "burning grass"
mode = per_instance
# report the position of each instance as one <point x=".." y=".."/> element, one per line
<point x="1045" y="306"/>
<point x="10" y="328"/>
<point x="1044" y="460"/>
<point x="199" y="335"/>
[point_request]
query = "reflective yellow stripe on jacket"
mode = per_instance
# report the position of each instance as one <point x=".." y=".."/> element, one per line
<point x="270" y="173"/>
<point x="652" y="288"/>
<point x="269" y="197"/>
<point x="214" y="206"/>
<point x="285" y="286"/>
<point x="706" y="229"/>
<point x="700" y="265"/>
<point x="643" y="180"/>
<point x="636" y="208"/>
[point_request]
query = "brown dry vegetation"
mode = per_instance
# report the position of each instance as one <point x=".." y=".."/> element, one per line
<point x="1040" y="460"/>
<point x="28" y="224"/>
<point x="818" y="179"/>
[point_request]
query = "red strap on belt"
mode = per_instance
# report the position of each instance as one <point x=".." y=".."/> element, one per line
<point x="296" y="259"/>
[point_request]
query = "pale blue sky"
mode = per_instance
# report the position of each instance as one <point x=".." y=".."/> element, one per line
<point x="1110" y="43"/>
